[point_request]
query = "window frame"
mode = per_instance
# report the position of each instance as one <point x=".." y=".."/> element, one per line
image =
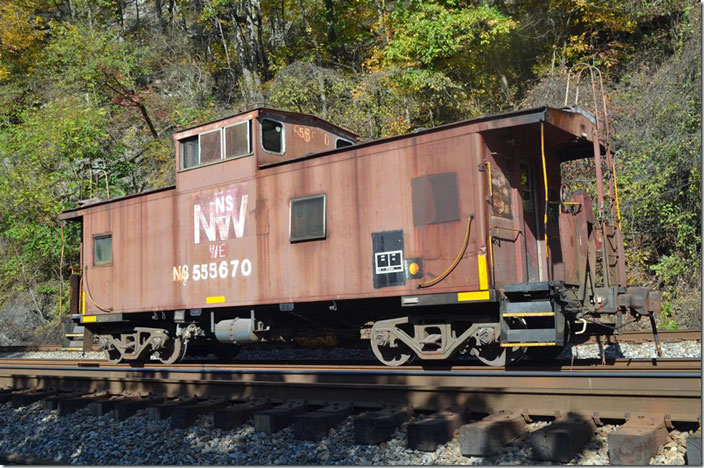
<point x="248" y="122"/>
<point x="200" y="148"/>
<point x="325" y="221"/>
<point x="103" y="235"/>
<point x="283" y="136"/>
<point x="223" y="141"/>
<point x="181" y="143"/>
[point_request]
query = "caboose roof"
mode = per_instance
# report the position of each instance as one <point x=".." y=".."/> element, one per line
<point x="300" y="115"/>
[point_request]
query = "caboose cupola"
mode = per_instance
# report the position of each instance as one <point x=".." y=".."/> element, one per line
<point x="272" y="137"/>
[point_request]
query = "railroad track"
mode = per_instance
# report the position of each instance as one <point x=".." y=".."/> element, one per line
<point x="650" y="395"/>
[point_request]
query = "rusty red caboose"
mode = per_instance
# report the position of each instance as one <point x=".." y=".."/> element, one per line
<point x="280" y="225"/>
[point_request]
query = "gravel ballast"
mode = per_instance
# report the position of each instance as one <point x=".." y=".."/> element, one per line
<point x="81" y="438"/>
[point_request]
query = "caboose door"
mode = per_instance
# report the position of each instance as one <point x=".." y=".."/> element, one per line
<point x="507" y="250"/>
<point x="531" y="240"/>
<point x="517" y="241"/>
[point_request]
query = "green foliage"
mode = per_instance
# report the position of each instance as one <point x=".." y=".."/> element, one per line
<point x="447" y="52"/>
<point x="670" y="269"/>
<point x="432" y="33"/>
<point x="43" y="161"/>
<point x="82" y="59"/>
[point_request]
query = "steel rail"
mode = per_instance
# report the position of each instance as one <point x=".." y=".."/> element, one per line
<point x="580" y="365"/>
<point x="30" y="348"/>
<point x="606" y="394"/>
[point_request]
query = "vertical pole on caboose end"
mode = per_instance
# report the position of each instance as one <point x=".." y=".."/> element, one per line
<point x="601" y="221"/>
<point x="545" y="188"/>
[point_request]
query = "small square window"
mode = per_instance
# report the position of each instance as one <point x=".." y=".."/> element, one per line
<point x="307" y="218"/>
<point x="102" y="250"/>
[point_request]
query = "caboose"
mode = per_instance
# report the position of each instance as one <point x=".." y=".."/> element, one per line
<point x="282" y="226"/>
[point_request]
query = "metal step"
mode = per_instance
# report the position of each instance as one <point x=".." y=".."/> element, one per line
<point x="528" y="337"/>
<point x="528" y="309"/>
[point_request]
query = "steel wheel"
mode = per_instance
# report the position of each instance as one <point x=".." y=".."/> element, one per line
<point x="495" y="355"/>
<point x="173" y="352"/>
<point x="389" y="355"/>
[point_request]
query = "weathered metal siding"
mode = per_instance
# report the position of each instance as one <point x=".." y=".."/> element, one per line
<point x="369" y="190"/>
<point x="142" y="243"/>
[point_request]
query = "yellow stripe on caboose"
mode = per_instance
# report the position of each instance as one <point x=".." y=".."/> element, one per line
<point x="89" y="318"/>
<point x="84" y="303"/>
<point x="483" y="272"/>
<point x="473" y="296"/>
<point x="215" y="299"/>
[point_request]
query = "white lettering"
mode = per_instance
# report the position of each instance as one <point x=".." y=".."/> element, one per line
<point x="214" y="218"/>
<point x="223" y="223"/>
<point x="219" y="205"/>
<point x="207" y="225"/>
<point x="213" y="270"/>
<point x="239" y="223"/>
<point x="246" y="267"/>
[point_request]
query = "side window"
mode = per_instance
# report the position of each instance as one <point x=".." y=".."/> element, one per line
<point x="210" y="146"/>
<point x="273" y="138"/>
<point x="189" y="152"/>
<point x="237" y="141"/>
<point x="216" y="145"/>
<point x="102" y="249"/>
<point x="501" y="204"/>
<point x="307" y="218"/>
<point x="527" y="191"/>
<point x="342" y="143"/>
